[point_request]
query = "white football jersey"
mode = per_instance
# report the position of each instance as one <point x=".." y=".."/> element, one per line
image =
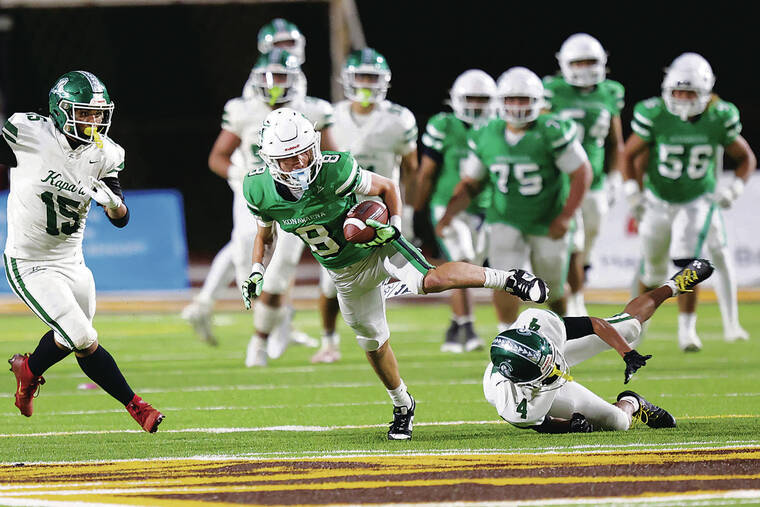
<point x="47" y="207"/>
<point x="244" y="118"/>
<point x="377" y="140"/>
<point x="525" y="406"/>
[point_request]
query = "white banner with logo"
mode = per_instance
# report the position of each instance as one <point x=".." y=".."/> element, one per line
<point x="615" y="259"/>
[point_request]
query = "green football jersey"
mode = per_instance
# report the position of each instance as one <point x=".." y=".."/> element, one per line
<point x="317" y="217"/>
<point x="684" y="154"/>
<point x="446" y="136"/>
<point x="529" y="190"/>
<point x="592" y="111"/>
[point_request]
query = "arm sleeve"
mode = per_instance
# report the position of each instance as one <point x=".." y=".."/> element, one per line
<point x="113" y="184"/>
<point x="472" y="167"/>
<point x="577" y="327"/>
<point x="571" y="157"/>
<point x="408" y="141"/>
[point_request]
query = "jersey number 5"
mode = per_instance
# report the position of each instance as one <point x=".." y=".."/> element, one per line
<point x="66" y="207"/>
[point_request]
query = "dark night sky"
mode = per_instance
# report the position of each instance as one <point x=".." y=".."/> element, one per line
<point x="170" y="69"/>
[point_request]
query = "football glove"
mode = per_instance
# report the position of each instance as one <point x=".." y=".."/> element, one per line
<point x="726" y="196"/>
<point x="579" y="424"/>
<point x="633" y="361"/>
<point x="384" y="234"/>
<point x="253" y="285"/>
<point x="101" y="194"/>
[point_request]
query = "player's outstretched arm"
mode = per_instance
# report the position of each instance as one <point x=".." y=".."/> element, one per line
<point x="610" y="336"/>
<point x="576" y="424"/>
<point x="253" y="285"/>
<point x="466" y="189"/>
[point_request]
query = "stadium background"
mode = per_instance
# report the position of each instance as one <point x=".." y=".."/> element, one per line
<point x="170" y="69"/>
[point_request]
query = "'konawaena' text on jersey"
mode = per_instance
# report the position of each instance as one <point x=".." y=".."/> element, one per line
<point x="445" y="141"/>
<point x="47" y="207"/>
<point x="684" y="154"/>
<point x="592" y="111"/>
<point x="529" y="189"/>
<point x="244" y="118"/>
<point x="317" y="217"/>
<point x="376" y="140"/>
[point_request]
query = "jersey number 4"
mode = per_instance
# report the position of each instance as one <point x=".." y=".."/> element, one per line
<point x="66" y="207"/>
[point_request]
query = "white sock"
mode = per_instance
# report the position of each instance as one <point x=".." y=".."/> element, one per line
<point x="687" y="323"/>
<point x="466" y="319"/>
<point x="503" y="326"/>
<point x="495" y="279"/>
<point x="633" y="401"/>
<point x="400" y="397"/>
<point x="672" y="285"/>
<point x="330" y="340"/>
<point x="220" y="274"/>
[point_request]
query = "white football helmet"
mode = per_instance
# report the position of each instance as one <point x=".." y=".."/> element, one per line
<point x="284" y="134"/>
<point x="366" y="77"/>
<point x="688" y="72"/>
<point x="579" y="47"/>
<point x="519" y="82"/>
<point x="472" y="96"/>
<point x="285" y="35"/>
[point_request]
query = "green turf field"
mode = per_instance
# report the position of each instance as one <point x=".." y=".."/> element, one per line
<point x="216" y="406"/>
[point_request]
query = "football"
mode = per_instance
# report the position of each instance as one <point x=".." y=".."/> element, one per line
<point x="355" y="228"/>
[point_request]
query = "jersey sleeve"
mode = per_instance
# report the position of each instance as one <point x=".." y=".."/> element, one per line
<point x="19" y="131"/>
<point x="549" y="83"/>
<point x="729" y="115"/>
<point x="617" y="96"/>
<point x="643" y="118"/>
<point x="113" y="159"/>
<point x="234" y="117"/>
<point x="434" y="135"/>
<point x="346" y="175"/>
<point x="408" y="126"/>
<point x="544" y="322"/>
<point x="253" y="200"/>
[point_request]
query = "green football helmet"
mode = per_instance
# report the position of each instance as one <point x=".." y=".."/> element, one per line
<point x="366" y="77"/>
<point x="281" y="33"/>
<point x="76" y="91"/>
<point x="276" y="78"/>
<point x="528" y="359"/>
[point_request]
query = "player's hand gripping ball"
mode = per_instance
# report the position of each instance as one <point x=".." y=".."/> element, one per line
<point x="355" y="228"/>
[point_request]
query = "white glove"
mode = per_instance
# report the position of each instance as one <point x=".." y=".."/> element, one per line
<point x="726" y="196"/>
<point x="635" y="199"/>
<point x="612" y="185"/>
<point x="252" y="287"/>
<point x="103" y="195"/>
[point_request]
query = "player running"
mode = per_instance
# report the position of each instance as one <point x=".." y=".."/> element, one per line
<point x="445" y="147"/>
<point x="583" y="93"/>
<point x="65" y="161"/>
<point x="685" y="132"/>
<point x="308" y="193"/>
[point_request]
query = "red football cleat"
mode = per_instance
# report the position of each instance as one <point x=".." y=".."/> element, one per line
<point x="147" y="416"/>
<point x="27" y="385"/>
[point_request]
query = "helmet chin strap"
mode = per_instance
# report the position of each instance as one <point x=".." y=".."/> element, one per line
<point x="561" y="373"/>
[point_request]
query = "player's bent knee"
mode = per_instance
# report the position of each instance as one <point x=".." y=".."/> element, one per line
<point x="371" y="344"/>
<point x="80" y="340"/>
<point x="266" y="317"/>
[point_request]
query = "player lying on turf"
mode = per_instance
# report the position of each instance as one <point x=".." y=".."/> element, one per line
<point x="527" y="379"/>
<point x="309" y="193"/>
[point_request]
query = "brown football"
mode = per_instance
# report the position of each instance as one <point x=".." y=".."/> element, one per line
<point x="355" y="228"/>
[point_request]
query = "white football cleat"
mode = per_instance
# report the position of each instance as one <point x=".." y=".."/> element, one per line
<point x="689" y="342"/>
<point x="327" y="354"/>
<point x="198" y="314"/>
<point x="736" y="334"/>
<point x="256" y="355"/>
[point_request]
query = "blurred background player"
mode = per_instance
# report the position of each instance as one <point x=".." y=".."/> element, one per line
<point x="382" y="137"/>
<point x="673" y="197"/>
<point x="65" y="161"/>
<point x="539" y="174"/>
<point x="445" y="147"/>
<point x="309" y="193"/>
<point x="232" y="259"/>
<point x="583" y="94"/>
<point x="528" y="377"/>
